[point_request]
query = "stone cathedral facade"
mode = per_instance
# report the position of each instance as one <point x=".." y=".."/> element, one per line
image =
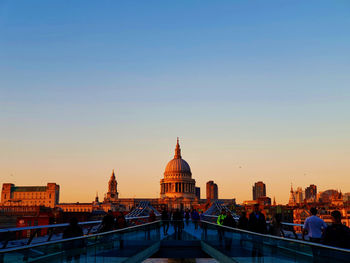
<point x="178" y="188"/>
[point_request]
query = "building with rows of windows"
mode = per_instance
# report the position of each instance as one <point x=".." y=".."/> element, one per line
<point x="12" y="195"/>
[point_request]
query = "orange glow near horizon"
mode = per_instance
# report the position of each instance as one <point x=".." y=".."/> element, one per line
<point x="138" y="173"/>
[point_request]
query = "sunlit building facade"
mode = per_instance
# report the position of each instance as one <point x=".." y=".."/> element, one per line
<point x="178" y="188"/>
<point x="259" y="190"/>
<point x="212" y="191"/>
<point x="12" y="195"/>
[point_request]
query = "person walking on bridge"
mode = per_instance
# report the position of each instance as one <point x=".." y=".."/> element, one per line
<point x="229" y="222"/>
<point x="165" y="221"/>
<point x="314" y="226"/>
<point x="74" y="248"/>
<point x="337" y="234"/>
<point x="220" y="222"/>
<point x="178" y="223"/>
<point x="257" y="221"/>
<point x="221" y="217"/>
<point x="107" y="223"/>
<point x="243" y="221"/>
<point x="195" y="218"/>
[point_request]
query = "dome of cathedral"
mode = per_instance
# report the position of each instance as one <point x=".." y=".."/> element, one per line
<point x="177" y="166"/>
<point x="178" y="184"/>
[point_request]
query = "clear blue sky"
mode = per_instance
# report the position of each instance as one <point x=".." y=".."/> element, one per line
<point x="88" y="86"/>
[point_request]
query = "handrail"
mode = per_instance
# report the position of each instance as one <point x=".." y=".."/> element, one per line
<point x="75" y="238"/>
<point x="135" y="217"/>
<point x="283" y="223"/>
<point x="280" y="238"/>
<point x="14" y="229"/>
<point x="291" y="224"/>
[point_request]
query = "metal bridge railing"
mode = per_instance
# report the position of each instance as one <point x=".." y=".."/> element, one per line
<point x="127" y="241"/>
<point x="230" y="240"/>
<point x="13" y="237"/>
<point x="289" y="228"/>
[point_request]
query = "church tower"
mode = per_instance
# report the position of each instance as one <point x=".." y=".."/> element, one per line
<point x="112" y="194"/>
<point x="292" y="200"/>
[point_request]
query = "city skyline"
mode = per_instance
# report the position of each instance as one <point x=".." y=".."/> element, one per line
<point x="255" y="91"/>
<point x="103" y="193"/>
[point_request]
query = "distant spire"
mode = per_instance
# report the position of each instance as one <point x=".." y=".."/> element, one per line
<point x="113" y="174"/>
<point x="177" y="150"/>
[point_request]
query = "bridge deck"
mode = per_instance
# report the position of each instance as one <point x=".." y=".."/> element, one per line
<point x="137" y="243"/>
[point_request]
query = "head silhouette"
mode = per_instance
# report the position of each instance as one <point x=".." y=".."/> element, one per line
<point x="336" y="217"/>
<point x="313" y="211"/>
<point x="256" y="208"/>
<point x="73" y="221"/>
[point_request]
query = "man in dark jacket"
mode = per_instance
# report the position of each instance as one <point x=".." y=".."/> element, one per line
<point x="178" y="223"/>
<point x="337" y="234"/>
<point x="230" y="222"/>
<point x="257" y="221"/>
<point x="165" y="221"/>
<point x="195" y="218"/>
<point x="73" y="248"/>
<point x="107" y="223"/>
<point x="243" y="221"/>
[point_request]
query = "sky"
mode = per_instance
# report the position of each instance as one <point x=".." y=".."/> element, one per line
<point x="256" y="91"/>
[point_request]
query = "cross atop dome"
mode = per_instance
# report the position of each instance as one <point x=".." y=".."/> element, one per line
<point x="177" y="150"/>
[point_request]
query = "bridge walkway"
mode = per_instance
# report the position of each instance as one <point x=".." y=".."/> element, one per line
<point x="137" y="243"/>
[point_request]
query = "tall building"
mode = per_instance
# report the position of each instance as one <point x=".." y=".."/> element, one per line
<point x="212" y="191"/>
<point x="311" y="193"/>
<point x="177" y="188"/>
<point x="299" y="196"/>
<point x="259" y="190"/>
<point x="198" y="192"/>
<point x="12" y="195"/>
<point x="112" y="194"/>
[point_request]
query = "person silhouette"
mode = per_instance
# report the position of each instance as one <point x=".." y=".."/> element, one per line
<point x="73" y="248"/>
